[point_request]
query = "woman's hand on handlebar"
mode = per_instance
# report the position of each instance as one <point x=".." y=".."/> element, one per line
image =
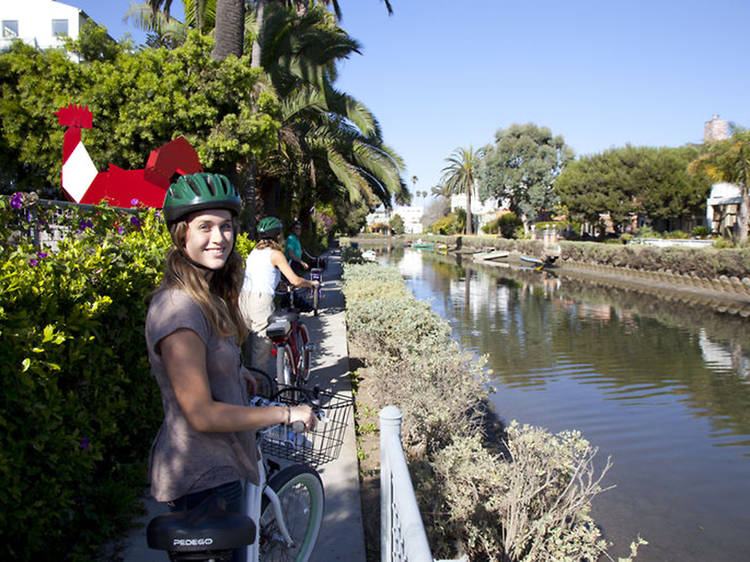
<point x="303" y="415"/>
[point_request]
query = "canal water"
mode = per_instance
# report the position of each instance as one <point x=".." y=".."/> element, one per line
<point x="661" y="388"/>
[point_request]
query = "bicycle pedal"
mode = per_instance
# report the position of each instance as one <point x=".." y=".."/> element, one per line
<point x="310" y="346"/>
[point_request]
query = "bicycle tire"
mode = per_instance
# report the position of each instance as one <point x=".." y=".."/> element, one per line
<point x="285" y="366"/>
<point x="301" y="339"/>
<point x="302" y="497"/>
<point x="316" y="300"/>
<point x="267" y="387"/>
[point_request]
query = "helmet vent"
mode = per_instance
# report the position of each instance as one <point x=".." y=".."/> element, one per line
<point x="210" y="184"/>
<point x="191" y="182"/>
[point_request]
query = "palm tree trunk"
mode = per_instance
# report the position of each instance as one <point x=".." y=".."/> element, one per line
<point x="255" y="57"/>
<point x="469" y="225"/>
<point x="229" y="32"/>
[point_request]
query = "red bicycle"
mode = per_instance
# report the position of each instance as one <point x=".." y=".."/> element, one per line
<point x="291" y="343"/>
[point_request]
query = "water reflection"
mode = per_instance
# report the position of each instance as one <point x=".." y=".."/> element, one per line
<point x="660" y="386"/>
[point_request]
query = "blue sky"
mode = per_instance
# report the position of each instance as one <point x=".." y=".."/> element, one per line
<point x="440" y="74"/>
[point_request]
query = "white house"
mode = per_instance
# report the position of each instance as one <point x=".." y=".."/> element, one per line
<point x="412" y="215"/>
<point x="722" y="206"/>
<point x="41" y="23"/>
<point x="483" y="211"/>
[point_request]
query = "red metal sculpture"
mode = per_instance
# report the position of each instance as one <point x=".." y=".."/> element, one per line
<point x="120" y="188"/>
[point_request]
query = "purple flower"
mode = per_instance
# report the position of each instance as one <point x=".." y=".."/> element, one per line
<point x="121" y="230"/>
<point x="16" y="201"/>
<point x="84" y="444"/>
<point x="33" y="263"/>
<point x="134" y="202"/>
<point x="135" y="221"/>
<point x="42" y="255"/>
<point x="84" y="224"/>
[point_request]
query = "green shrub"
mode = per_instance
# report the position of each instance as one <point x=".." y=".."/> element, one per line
<point x="491" y="227"/>
<point x="701" y="231"/>
<point x="509" y="224"/>
<point x="647" y="232"/>
<point x="723" y="243"/>
<point x="79" y="407"/>
<point x="446" y="225"/>
<point x="350" y="254"/>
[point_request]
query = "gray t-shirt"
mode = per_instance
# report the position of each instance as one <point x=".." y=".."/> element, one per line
<point x="182" y="459"/>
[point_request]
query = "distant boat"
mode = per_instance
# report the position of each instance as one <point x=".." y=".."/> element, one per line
<point x="419" y="244"/>
<point x="531" y="259"/>
<point x="489" y="256"/>
<point x="548" y="261"/>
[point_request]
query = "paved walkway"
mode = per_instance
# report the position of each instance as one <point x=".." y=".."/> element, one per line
<point x="342" y="536"/>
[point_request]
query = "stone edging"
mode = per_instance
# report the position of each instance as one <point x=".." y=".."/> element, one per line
<point x="730" y="295"/>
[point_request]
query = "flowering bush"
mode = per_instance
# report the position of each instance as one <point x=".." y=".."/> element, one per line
<point x="79" y="407"/>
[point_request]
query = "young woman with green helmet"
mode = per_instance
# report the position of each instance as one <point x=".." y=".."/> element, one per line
<point x="263" y="269"/>
<point x="206" y="443"/>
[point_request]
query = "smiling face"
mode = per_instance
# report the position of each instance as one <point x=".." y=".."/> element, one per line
<point x="209" y="238"/>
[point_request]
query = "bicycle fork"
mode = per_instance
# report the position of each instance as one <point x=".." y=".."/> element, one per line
<point x="276" y="504"/>
<point x="252" y="498"/>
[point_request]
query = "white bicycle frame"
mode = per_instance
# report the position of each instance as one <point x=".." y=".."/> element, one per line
<point x="253" y="501"/>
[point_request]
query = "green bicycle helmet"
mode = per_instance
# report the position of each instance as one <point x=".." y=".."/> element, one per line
<point x="195" y="192"/>
<point x="269" y="228"/>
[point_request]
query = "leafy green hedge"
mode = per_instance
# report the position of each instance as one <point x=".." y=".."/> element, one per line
<point x="79" y="408"/>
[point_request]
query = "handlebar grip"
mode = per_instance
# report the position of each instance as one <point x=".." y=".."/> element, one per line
<point x="298" y="427"/>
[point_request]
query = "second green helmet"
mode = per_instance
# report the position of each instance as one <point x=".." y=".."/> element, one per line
<point x="196" y="192"/>
<point x="269" y="227"/>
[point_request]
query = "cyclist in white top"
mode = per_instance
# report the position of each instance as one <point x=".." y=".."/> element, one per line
<point x="263" y="269"/>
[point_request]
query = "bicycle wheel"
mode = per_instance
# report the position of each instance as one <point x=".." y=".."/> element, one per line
<point x="285" y="374"/>
<point x="300" y="491"/>
<point x="266" y="384"/>
<point x="301" y="339"/>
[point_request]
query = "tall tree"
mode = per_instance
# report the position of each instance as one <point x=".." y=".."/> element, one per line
<point x="137" y="107"/>
<point x="165" y="30"/>
<point x="729" y="160"/>
<point x="330" y="144"/>
<point x="460" y="176"/>
<point x="229" y="33"/>
<point x="521" y="168"/>
<point x="628" y="181"/>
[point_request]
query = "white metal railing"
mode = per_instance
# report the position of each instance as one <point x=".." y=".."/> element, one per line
<point x="402" y="534"/>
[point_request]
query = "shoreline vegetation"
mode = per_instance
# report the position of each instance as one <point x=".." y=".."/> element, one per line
<point x="485" y="491"/>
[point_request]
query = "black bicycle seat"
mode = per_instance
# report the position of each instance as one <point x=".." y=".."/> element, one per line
<point x="206" y="527"/>
<point x="283" y="317"/>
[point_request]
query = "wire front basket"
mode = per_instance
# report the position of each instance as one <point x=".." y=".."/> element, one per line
<point x="316" y="447"/>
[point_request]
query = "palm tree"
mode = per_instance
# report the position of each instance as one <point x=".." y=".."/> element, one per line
<point x="229" y="22"/>
<point x="329" y="140"/>
<point x="302" y="6"/>
<point x="327" y="136"/>
<point x="168" y="31"/>
<point x="460" y="176"/>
